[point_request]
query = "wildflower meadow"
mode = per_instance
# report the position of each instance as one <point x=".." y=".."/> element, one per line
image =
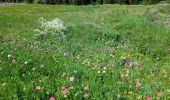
<point x="92" y="52"/>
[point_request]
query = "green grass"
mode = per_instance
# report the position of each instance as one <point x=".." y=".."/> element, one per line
<point x="97" y="37"/>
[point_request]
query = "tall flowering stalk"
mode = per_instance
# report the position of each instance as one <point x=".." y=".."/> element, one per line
<point x="54" y="27"/>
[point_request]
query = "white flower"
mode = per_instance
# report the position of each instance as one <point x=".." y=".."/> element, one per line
<point x="9" y="56"/>
<point x="25" y="62"/>
<point x="104" y="71"/>
<point x="2" y="53"/>
<point x="99" y="72"/>
<point x="54" y="27"/>
<point x="127" y="75"/>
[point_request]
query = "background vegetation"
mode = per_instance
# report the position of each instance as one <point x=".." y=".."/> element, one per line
<point x="85" y="2"/>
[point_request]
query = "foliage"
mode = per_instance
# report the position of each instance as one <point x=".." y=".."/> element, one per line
<point x="85" y="2"/>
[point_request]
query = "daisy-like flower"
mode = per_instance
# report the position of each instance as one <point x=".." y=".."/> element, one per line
<point x="72" y="78"/>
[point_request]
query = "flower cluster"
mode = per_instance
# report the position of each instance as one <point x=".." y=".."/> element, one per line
<point x="54" y="27"/>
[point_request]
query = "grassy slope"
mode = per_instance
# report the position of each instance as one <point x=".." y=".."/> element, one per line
<point x="96" y="35"/>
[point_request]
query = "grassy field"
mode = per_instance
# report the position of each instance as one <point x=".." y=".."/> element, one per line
<point x="101" y="52"/>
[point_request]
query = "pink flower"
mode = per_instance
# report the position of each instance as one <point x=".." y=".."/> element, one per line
<point x="71" y="78"/>
<point x="65" y="91"/>
<point x="149" y="98"/>
<point x="159" y="94"/>
<point x="52" y="98"/>
<point x="86" y="88"/>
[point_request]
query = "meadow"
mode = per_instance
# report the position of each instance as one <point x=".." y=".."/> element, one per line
<point x="94" y="52"/>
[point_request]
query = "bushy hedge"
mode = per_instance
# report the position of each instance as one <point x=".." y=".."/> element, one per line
<point x="85" y="2"/>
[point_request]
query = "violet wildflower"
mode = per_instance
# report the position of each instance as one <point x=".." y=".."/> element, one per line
<point x="130" y="63"/>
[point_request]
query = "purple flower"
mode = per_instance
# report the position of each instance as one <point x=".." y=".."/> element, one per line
<point x="130" y="63"/>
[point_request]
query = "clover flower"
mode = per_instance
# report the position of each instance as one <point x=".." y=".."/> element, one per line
<point x="149" y="98"/>
<point x="52" y="98"/>
<point x="65" y="91"/>
<point x="159" y="94"/>
<point x="71" y="78"/>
